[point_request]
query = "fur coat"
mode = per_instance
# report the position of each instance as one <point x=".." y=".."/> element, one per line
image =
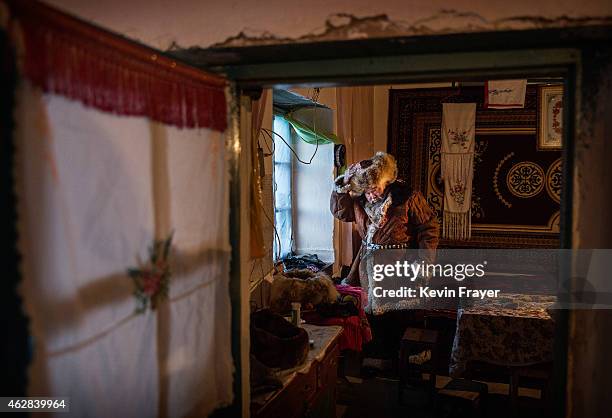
<point x="401" y="216"/>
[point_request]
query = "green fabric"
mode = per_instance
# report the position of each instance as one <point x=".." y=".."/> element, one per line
<point x="309" y="135"/>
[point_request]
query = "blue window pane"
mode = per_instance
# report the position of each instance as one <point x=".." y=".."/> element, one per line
<point x="282" y="190"/>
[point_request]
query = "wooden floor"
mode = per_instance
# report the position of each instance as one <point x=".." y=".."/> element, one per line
<point x="376" y="396"/>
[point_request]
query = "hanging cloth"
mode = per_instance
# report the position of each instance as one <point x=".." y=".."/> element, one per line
<point x="457" y="168"/>
<point x="505" y="94"/>
<point x="309" y="132"/>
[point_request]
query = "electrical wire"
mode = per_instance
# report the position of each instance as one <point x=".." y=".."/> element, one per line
<point x="276" y="234"/>
<point x="270" y="149"/>
<point x="297" y="157"/>
<point x="268" y="218"/>
<point x="314" y="98"/>
<point x="277" y="237"/>
<point x="275" y="187"/>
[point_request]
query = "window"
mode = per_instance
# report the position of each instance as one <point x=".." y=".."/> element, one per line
<point x="301" y="195"/>
<point x="282" y="190"/>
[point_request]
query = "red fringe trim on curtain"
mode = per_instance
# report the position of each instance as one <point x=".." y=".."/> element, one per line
<point x="66" y="56"/>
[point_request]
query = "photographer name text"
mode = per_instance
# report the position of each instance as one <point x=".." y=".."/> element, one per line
<point x="427" y="292"/>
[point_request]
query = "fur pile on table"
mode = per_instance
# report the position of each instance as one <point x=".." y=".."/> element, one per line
<point x="304" y="286"/>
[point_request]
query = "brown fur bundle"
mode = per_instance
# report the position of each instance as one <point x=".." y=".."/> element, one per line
<point x="304" y="286"/>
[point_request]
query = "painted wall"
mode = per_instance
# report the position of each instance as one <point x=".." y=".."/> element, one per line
<point x="160" y="23"/>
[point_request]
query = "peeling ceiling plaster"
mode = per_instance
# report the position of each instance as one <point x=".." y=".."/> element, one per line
<point x="343" y="26"/>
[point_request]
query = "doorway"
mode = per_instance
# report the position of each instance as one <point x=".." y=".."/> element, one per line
<point x="475" y="58"/>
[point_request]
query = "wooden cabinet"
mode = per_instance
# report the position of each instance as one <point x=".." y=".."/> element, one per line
<point x="310" y="391"/>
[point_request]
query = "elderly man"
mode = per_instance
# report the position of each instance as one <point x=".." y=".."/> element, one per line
<point x="386" y="212"/>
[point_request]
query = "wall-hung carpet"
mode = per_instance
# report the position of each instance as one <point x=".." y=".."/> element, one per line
<point x="516" y="188"/>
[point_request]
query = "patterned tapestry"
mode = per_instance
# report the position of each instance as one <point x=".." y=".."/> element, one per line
<point x="516" y="189"/>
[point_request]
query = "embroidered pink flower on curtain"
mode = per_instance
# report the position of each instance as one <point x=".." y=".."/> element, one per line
<point x="152" y="280"/>
<point x="150" y="283"/>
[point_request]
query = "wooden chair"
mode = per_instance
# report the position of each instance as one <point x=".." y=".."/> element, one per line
<point x="463" y="397"/>
<point x="416" y="341"/>
<point x="536" y="376"/>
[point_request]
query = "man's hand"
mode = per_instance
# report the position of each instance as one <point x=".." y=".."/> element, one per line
<point x="350" y="172"/>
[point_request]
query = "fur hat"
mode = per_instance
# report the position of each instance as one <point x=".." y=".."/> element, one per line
<point x="380" y="170"/>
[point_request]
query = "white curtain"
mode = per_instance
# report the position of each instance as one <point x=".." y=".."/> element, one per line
<point x="355" y="120"/>
<point x="199" y="364"/>
<point x="91" y="200"/>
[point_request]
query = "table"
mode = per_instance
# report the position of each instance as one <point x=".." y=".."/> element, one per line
<point x="310" y="388"/>
<point x="512" y="330"/>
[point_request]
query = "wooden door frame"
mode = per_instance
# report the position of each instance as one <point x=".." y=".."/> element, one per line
<point x="462" y="57"/>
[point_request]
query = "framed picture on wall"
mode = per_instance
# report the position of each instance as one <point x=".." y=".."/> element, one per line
<point x="550" y="118"/>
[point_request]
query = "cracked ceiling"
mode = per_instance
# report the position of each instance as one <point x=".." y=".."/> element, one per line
<point x="344" y="26"/>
